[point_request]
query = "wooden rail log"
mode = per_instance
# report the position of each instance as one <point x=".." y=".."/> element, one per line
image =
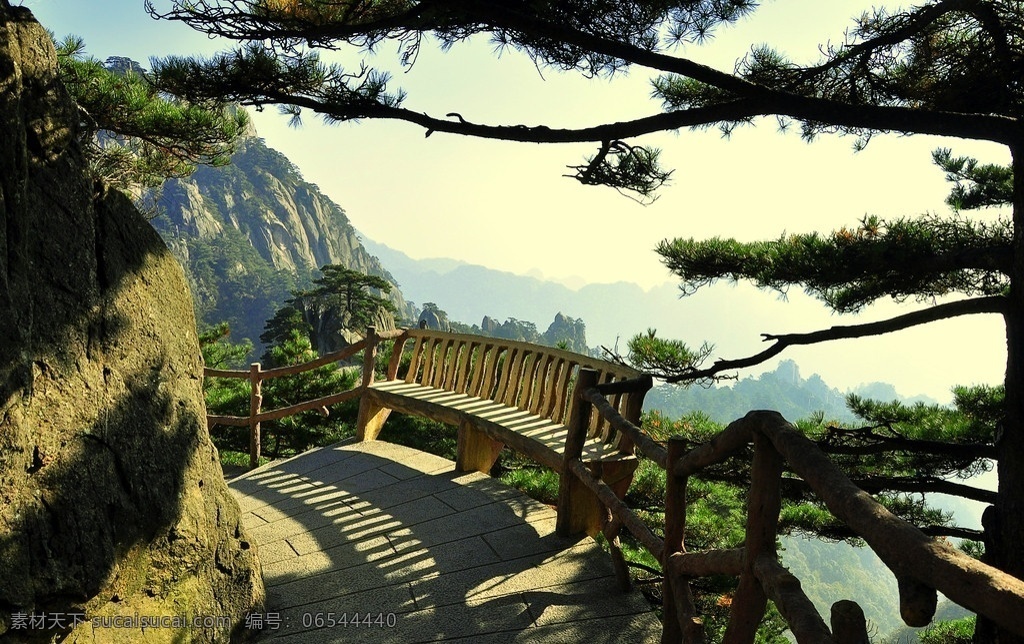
<point x="729" y="442"/>
<point x="224" y="373"/>
<point x="644" y="443"/>
<point x="619" y="509"/>
<point x="641" y="383"/>
<point x="706" y="563"/>
<point x="785" y="591"/>
<point x="907" y="551"/>
<point x="317" y="404"/>
<point x="235" y="421"/>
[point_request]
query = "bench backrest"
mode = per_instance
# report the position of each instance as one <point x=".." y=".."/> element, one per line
<point x="535" y="379"/>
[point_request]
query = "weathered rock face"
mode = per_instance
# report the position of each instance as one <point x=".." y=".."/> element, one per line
<point x="333" y="332"/>
<point x="434" y="319"/>
<point x="112" y="500"/>
<point x="258" y="221"/>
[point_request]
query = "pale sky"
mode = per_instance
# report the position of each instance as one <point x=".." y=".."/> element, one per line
<point x="506" y="205"/>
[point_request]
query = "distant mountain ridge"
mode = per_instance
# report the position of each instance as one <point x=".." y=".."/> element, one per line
<point x="611" y="313"/>
<point x="784" y="390"/>
<point x="469" y="292"/>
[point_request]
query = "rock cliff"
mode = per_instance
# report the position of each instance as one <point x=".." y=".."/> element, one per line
<point x="250" y="232"/>
<point x="112" y="500"/>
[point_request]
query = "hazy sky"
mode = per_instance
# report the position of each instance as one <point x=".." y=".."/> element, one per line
<point x="506" y="205"/>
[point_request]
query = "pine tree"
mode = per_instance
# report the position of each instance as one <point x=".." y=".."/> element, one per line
<point x="342" y="300"/>
<point x="134" y="134"/>
<point x="945" y="67"/>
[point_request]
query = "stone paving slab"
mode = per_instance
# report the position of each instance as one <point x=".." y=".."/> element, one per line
<point x="426" y="553"/>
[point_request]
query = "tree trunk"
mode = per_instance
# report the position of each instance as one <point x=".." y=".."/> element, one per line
<point x="1009" y="509"/>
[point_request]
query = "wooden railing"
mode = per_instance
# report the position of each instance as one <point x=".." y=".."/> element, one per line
<point x="256" y="375"/>
<point x="922" y="565"/>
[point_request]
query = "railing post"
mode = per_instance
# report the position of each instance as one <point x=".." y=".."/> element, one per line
<point x="572" y="513"/>
<point x="764" y="502"/>
<point x="255" y="403"/>
<point x="372" y="414"/>
<point x="681" y="623"/>
<point x="848" y="623"/>
<point x="370" y="355"/>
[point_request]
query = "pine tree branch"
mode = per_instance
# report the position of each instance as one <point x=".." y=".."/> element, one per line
<point x="922" y="18"/>
<point x="796" y="489"/>
<point x="841" y="532"/>
<point x="924" y="485"/>
<point x="882" y="444"/>
<point x="749" y="99"/>
<point x="992" y="304"/>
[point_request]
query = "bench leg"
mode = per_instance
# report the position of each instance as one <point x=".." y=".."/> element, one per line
<point x="618" y="476"/>
<point x="475" y="450"/>
<point x="583" y="512"/>
<point x="371" y="419"/>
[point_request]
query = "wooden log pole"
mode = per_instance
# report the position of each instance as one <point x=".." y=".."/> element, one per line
<point x="396" y="354"/>
<point x="371" y="416"/>
<point x="640" y="530"/>
<point x="707" y="563"/>
<point x="636" y="436"/>
<point x="917" y="602"/>
<point x="785" y="591"/>
<point x="675" y="529"/>
<point x="370" y="356"/>
<point x="571" y="492"/>
<point x="612" y="527"/>
<point x="255" y="403"/>
<point x="763" y="505"/>
<point x="905" y="549"/>
<point x="475" y="451"/>
<point x="848" y="623"/>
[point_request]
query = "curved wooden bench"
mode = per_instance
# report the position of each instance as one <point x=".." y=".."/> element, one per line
<point x="500" y="392"/>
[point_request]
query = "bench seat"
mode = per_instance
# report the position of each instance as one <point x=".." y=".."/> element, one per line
<point x="501" y="393"/>
<point x="537" y="437"/>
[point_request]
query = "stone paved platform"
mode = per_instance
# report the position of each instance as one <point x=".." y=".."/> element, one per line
<point x="380" y="529"/>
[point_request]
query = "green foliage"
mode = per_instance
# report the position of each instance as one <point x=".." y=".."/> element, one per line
<point x="239" y="74"/>
<point x="341" y="299"/>
<point x="351" y="293"/>
<point x="226" y="396"/>
<point x="960" y="631"/>
<point x="231" y="283"/>
<point x="848" y="269"/>
<point x="218" y="352"/>
<point x="829" y="572"/>
<point x="291" y="435"/>
<point x="538" y="483"/>
<point x="298" y="433"/>
<point x="626" y="168"/>
<point x="971" y="422"/>
<point x="649" y="353"/>
<point x="280" y="328"/>
<point x="976" y="185"/>
<point x="975" y="549"/>
<point x="139" y="135"/>
<point x="422" y="434"/>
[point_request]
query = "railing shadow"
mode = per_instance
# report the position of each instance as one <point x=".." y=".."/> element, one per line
<point x="421" y="552"/>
